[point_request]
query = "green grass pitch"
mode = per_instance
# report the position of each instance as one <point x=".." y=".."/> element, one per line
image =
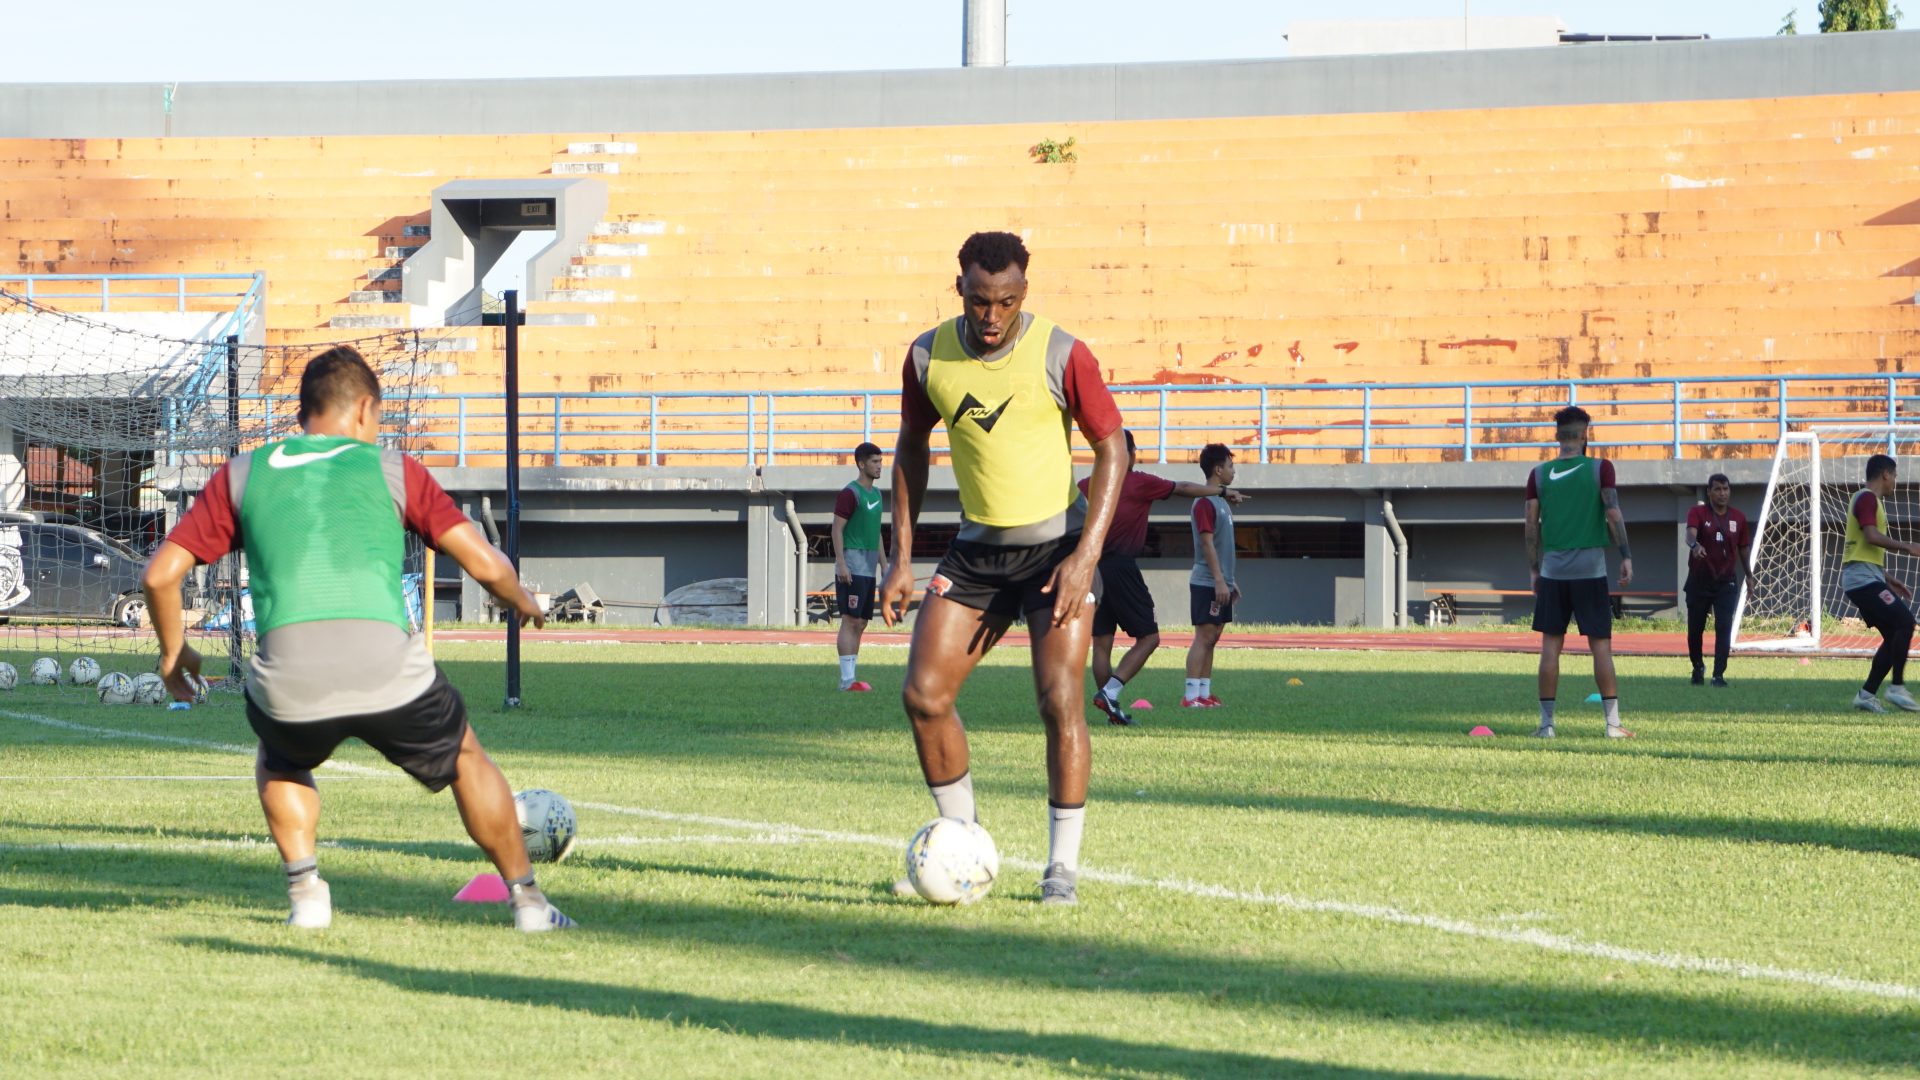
<point x="1326" y="879"/>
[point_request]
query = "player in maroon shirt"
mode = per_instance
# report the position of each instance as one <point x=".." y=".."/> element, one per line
<point x="1125" y="603"/>
<point x="1718" y="541"/>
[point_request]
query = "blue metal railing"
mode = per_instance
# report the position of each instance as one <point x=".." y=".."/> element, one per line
<point x="1722" y="416"/>
<point x="35" y="290"/>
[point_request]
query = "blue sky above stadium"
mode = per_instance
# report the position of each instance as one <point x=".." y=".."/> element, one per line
<point x="225" y="40"/>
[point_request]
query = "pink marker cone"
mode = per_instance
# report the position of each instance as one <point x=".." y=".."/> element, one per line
<point x="483" y="889"/>
<point x="1143" y="703"/>
<point x="1482" y="730"/>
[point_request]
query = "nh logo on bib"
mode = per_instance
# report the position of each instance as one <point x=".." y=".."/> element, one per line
<point x="971" y="409"/>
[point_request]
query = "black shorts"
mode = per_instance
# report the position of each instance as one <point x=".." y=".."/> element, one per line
<point x="1206" y="611"/>
<point x="422" y="737"/>
<point x="1125" y="602"/>
<point x="1584" y="600"/>
<point x="1000" y="580"/>
<point x="855" y="597"/>
<point x="1882" y="609"/>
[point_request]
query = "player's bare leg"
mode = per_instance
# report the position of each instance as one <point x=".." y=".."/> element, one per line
<point x="1609" y="685"/>
<point x="486" y="809"/>
<point x="948" y="641"/>
<point x="291" y="803"/>
<point x="848" y="640"/>
<point x="1059" y="658"/>
<point x="1200" y="662"/>
<point x="1550" y="646"/>
<point x="1103" y="660"/>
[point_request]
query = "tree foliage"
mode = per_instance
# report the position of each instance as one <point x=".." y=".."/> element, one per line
<point x="1841" y="16"/>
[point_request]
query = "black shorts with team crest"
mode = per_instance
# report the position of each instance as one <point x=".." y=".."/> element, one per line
<point x="1001" y="580"/>
<point x="422" y="737"/>
<point x="1556" y="601"/>
<point x="855" y="597"/>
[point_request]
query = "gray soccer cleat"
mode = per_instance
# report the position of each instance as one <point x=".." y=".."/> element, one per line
<point x="312" y="905"/>
<point x="1544" y="731"/>
<point x="1898" y="695"/>
<point x="1866" y="702"/>
<point x="1059" y="886"/>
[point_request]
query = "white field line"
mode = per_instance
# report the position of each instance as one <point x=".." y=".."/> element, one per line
<point x="1538" y="939"/>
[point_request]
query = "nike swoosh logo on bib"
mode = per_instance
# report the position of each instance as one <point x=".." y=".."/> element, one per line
<point x="280" y="459"/>
<point x="1551" y="475"/>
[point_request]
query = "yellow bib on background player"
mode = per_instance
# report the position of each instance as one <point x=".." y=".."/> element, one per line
<point x="1012" y="454"/>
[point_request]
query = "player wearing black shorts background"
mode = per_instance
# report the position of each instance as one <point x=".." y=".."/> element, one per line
<point x="1572" y="510"/>
<point x="856" y="558"/>
<point x="1882" y="600"/>
<point x="1125" y="603"/>
<point x="1008" y="385"/>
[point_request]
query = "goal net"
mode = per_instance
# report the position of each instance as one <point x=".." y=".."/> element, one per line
<point x="110" y="425"/>
<point x="1795" y="602"/>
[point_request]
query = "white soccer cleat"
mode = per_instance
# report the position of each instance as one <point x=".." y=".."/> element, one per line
<point x="1898" y="695"/>
<point x="312" y="906"/>
<point x="1866" y="702"/>
<point x="904" y="889"/>
<point x="540" y="918"/>
<point x="1544" y="731"/>
<point x="1615" y="731"/>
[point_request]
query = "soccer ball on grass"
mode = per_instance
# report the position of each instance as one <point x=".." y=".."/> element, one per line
<point x="115" y="689"/>
<point x="547" y="823"/>
<point x="83" y="670"/>
<point x="149" y="689"/>
<point x="950" y="861"/>
<point x="45" y="672"/>
<point x="9" y="677"/>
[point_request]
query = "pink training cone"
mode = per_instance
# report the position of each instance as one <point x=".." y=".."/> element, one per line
<point x="1482" y="730"/>
<point x="483" y="889"/>
<point x="1143" y="703"/>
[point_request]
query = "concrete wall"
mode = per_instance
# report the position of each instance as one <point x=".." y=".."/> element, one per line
<point x="1588" y="74"/>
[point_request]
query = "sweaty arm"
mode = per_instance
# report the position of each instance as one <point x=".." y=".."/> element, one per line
<point x="1201" y="491"/>
<point x="165" y="573"/>
<point x="1533" y="536"/>
<point x="1617" y="527"/>
<point x="917" y="420"/>
<point x="485" y="564"/>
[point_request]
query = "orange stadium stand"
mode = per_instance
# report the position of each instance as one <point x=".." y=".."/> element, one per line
<point x="1750" y="238"/>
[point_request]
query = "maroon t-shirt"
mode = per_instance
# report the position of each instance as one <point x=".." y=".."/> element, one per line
<point x="1138" y="492"/>
<point x="1722" y="538"/>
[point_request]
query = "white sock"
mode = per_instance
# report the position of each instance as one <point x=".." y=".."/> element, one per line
<point x="1113" y="688"/>
<point x="846" y="670"/>
<point x="1206" y="686"/>
<point x="1612" y="707"/>
<point x="955" y="800"/>
<point x="1063" y="835"/>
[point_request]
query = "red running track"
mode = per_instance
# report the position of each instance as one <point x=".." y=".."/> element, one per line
<point x="1501" y="641"/>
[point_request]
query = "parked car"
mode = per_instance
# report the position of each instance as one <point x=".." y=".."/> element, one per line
<point x="53" y="570"/>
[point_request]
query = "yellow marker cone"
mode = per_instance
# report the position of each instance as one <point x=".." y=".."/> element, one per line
<point x="1295" y="682"/>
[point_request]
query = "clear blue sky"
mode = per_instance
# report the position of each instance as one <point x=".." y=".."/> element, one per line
<point x="220" y="40"/>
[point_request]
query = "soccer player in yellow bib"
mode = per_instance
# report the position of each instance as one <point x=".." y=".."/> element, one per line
<point x="1008" y="384"/>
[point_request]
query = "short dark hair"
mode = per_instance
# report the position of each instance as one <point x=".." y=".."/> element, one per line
<point x="1572" y="414"/>
<point x="1212" y="456"/>
<point x="1878" y="464"/>
<point x="1128" y="432"/>
<point x="1719" y="478"/>
<point x="864" y="451"/>
<point x="334" y="380"/>
<point x="993" y="252"/>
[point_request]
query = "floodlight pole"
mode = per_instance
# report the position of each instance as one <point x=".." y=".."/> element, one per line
<point x="513" y="488"/>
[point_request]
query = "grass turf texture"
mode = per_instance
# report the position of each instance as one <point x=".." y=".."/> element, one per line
<point x="1764" y="824"/>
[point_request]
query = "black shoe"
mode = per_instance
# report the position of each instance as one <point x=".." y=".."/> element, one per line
<point x="1719" y="680"/>
<point x="1116" y="716"/>
<point x="1699" y="675"/>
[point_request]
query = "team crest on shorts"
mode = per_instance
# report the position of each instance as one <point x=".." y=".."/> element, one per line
<point x="939" y="584"/>
<point x="1886" y="596"/>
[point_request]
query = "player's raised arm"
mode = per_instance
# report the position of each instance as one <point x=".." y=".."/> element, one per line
<point x="1201" y="491"/>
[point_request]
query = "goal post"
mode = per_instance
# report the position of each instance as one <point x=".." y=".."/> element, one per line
<point x="1795" y="602"/>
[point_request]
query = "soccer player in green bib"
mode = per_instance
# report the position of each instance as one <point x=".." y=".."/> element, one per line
<point x="322" y="517"/>
<point x="1008" y="384"/>
<point x="856" y="558"/>
<point x="1573" y="509"/>
<point x="1882" y="600"/>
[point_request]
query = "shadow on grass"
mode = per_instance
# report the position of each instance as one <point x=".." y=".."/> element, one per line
<point x="1057" y="955"/>
<point x="801" y="1023"/>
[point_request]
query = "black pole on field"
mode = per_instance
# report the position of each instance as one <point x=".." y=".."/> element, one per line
<point x="513" y="488"/>
<point x="236" y="629"/>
